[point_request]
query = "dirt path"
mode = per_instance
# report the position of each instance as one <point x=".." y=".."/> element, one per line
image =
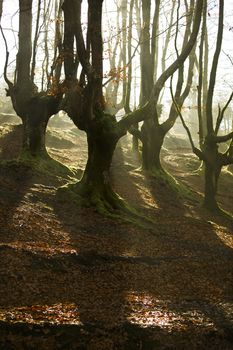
<point x="71" y="279"/>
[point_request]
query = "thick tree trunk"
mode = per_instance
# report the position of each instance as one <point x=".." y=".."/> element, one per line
<point x="100" y="153"/>
<point x="34" y="136"/>
<point x="95" y="187"/>
<point x="153" y="138"/>
<point x="37" y="113"/>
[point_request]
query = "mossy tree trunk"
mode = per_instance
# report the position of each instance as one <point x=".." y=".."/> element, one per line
<point x="95" y="186"/>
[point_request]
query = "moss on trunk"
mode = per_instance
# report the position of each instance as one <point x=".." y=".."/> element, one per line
<point x="94" y="189"/>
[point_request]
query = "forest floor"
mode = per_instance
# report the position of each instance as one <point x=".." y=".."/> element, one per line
<point x="72" y="279"/>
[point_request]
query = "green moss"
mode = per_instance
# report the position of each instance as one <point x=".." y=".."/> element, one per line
<point x="165" y="179"/>
<point x="43" y="163"/>
<point x="106" y="203"/>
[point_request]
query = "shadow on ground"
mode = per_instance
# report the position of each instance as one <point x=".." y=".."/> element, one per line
<point x="97" y="283"/>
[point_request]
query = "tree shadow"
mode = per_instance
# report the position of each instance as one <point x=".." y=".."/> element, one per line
<point x="112" y="285"/>
<point x="143" y="190"/>
<point x="127" y="288"/>
<point x="10" y="142"/>
<point x="19" y="181"/>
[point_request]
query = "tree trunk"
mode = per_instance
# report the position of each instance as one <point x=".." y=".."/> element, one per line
<point x="212" y="172"/>
<point x="37" y="113"/>
<point x="211" y="182"/>
<point x="135" y="142"/>
<point x="151" y="147"/>
<point x="34" y="136"/>
<point x="100" y="153"/>
<point x="95" y="187"/>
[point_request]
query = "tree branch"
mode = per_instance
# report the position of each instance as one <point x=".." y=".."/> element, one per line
<point x="134" y="117"/>
<point x="221" y="114"/>
<point x="209" y="102"/>
<point x="224" y="138"/>
<point x="9" y="83"/>
<point x="135" y="132"/>
<point x="182" y="57"/>
<point x="195" y="150"/>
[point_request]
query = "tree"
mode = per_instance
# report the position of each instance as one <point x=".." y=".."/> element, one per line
<point x="153" y="131"/>
<point x="34" y="107"/>
<point x="84" y="101"/>
<point x="213" y="159"/>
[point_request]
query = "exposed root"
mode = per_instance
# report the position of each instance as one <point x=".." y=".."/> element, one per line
<point x="45" y="164"/>
<point x="105" y="201"/>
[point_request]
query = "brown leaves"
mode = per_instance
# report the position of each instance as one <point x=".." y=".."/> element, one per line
<point x="36" y="314"/>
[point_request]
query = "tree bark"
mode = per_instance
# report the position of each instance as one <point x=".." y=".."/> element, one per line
<point x="159" y="129"/>
<point x="153" y="138"/>
<point x="95" y="186"/>
<point x="34" y="137"/>
<point x="211" y="182"/>
<point x="25" y="46"/>
<point x="38" y="112"/>
<point x="212" y="155"/>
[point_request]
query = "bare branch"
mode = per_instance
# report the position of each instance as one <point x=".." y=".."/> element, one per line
<point x="128" y="63"/>
<point x="182" y="57"/>
<point x="224" y="138"/>
<point x="35" y="41"/>
<point x="9" y="83"/>
<point x="221" y="114"/>
<point x="214" y="67"/>
<point x="195" y="150"/>
<point x="135" y="132"/>
<point x="134" y="117"/>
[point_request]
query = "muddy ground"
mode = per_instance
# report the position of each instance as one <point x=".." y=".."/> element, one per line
<point x="72" y="279"/>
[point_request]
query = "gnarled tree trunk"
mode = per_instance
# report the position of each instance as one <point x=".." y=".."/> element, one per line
<point x="35" y="120"/>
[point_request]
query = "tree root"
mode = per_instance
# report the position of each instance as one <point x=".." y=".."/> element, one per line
<point x="45" y="164"/>
<point x="104" y="200"/>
